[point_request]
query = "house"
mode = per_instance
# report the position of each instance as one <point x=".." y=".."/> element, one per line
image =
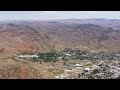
<point x="67" y="54"/>
<point x="60" y="58"/>
<point x="87" y="69"/>
<point x="78" y="65"/>
<point x="92" y="51"/>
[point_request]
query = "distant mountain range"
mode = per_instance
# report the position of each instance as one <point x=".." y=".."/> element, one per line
<point x="54" y="35"/>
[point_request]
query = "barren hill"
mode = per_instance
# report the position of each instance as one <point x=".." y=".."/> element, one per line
<point x="51" y="36"/>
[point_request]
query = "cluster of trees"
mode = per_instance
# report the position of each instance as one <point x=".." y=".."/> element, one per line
<point x="74" y="54"/>
<point x="48" y="56"/>
<point x="40" y="56"/>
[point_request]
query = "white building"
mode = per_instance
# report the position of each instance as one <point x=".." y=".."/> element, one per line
<point x="78" y="65"/>
<point x="68" y="54"/>
<point x="28" y="56"/>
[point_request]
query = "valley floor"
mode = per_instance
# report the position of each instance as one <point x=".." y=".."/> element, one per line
<point x="70" y="69"/>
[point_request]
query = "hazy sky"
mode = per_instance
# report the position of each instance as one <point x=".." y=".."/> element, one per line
<point x="46" y="15"/>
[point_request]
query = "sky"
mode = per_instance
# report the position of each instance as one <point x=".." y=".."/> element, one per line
<point x="48" y="15"/>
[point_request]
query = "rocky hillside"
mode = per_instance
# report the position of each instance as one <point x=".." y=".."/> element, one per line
<point x="51" y="36"/>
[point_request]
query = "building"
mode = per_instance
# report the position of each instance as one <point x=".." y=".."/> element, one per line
<point x="67" y="54"/>
<point x="29" y="56"/>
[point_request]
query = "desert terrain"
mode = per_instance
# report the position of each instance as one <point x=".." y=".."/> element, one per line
<point x="60" y="49"/>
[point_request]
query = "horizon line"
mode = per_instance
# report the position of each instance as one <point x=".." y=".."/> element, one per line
<point x="57" y="19"/>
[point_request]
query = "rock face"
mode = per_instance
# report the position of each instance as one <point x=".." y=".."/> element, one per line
<point x="49" y="36"/>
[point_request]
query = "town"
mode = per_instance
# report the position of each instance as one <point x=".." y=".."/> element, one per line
<point x="77" y="64"/>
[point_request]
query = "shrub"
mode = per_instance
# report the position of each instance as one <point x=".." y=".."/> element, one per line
<point x="95" y="71"/>
<point x="88" y="65"/>
<point x="55" y="71"/>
